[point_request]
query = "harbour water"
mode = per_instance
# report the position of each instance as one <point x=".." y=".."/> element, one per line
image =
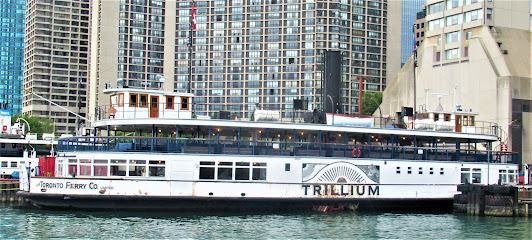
<point x="41" y="224"/>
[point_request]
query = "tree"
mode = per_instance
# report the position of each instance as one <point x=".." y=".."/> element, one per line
<point x="370" y="102"/>
<point x="37" y="124"/>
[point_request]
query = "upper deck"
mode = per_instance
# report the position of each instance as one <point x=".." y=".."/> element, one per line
<point x="138" y="121"/>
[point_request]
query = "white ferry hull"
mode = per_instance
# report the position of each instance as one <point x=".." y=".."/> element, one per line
<point x="303" y="188"/>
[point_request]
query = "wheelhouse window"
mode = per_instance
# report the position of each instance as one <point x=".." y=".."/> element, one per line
<point x="169" y="102"/>
<point x="447" y="117"/>
<point x="117" y="100"/>
<point x="184" y="103"/>
<point x="133" y="99"/>
<point x="143" y="100"/>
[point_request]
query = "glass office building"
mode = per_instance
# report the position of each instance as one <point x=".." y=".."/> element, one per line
<point x="11" y="54"/>
<point x="410" y="9"/>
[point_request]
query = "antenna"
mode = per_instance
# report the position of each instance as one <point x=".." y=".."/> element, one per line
<point x="427" y="98"/>
<point x="161" y="79"/>
<point x="439" y="96"/>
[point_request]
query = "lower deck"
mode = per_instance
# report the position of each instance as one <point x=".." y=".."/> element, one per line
<point x="226" y="176"/>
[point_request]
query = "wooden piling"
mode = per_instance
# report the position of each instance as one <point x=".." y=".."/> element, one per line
<point x="8" y="190"/>
<point x="489" y="200"/>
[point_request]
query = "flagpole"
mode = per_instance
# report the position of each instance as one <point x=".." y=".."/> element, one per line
<point x="414" y="67"/>
<point x="78" y="120"/>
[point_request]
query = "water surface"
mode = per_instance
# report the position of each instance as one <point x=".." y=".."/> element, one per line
<point x="42" y="224"/>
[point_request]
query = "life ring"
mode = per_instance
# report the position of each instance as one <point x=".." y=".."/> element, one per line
<point x="411" y="125"/>
<point x="111" y="111"/>
<point x="356" y="152"/>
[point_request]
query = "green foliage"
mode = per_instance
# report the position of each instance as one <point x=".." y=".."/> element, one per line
<point x="37" y="124"/>
<point x="370" y="102"/>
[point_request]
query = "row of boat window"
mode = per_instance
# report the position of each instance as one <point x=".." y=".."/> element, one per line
<point x="12" y="164"/>
<point x="420" y="170"/>
<point x="242" y="171"/>
<point x="112" y="168"/>
<point x="474" y="175"/>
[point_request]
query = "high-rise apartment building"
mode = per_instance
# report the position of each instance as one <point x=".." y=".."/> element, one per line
<point x="56" y="60"/>
<point x="409" y="10"/>
<point x="245" y="52"/>
<point x="476" y="55"/>
<point x="11" y="54"/>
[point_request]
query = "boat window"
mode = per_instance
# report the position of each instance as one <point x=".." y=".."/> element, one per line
<point x="503" y="176"/>
<point x="225" y="173"/>
<point x="398" y="171"/>
<point x="85" y="168"/>
<point x="409" y="170"/>
<point x="420" y="170"/>
<point x="117" y="100"/>
<point x="143" y="100"/>
<point x="133" y="99"/>
<point x="471" y="120"/>
<point x="287" y="167"/>
<point x="512" y="175"/>
<point x="157" y="168"/>
<point x="59" y="167"/>
<point x="4" y="164"/>
<point x="137" y="168"/>
<point x="169" y="102"/>
<point x="184" y="103"/>
<point x="436" y="117"/>
<point x="206" y="172"/>
<point x="114" y="100"/>
<point x="120" y="99"/>
<point x="447" y="117"/>
<point x="469" y="175"/>
<point x="242" y="173"/>
<point x="466" y="121"/>
<point x="118" y="167"/>
<point x="100" y="170"/>
<point x="14" y="164"/>
<point x="441" y="171"/>
<point x="259" y="174"/>
<point x="431" y="171"/>
<point x="259" y="171"/>
<point x="72" y="167"/>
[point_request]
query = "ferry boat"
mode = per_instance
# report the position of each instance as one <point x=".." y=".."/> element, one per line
<point x="18" y="149"/>
<point x="153" y="153"/>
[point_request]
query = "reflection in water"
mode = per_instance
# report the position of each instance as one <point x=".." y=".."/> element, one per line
<point x="39" y="224"/>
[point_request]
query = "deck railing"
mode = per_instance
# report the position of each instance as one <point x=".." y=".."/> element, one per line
<point x="102" y="112"/>
<point x="272" y="148"/>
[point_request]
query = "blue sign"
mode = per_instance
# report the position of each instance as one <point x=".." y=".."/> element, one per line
<point x="5" y="112"/>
